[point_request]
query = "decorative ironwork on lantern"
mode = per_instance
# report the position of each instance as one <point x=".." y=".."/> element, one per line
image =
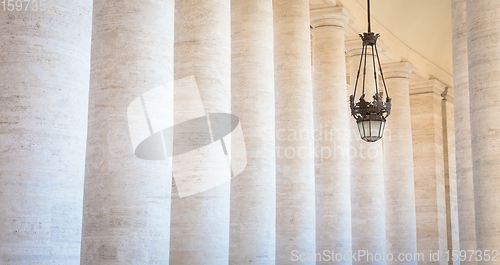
<point x="370" y="115"/>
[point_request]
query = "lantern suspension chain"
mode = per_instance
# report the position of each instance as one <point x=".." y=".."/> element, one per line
<point x="369" y="22"/>
<point x="381" y="73"/>
<point x="359" y="70"/>
<point x="375" y="72"/>
<point x="364" y="72"/>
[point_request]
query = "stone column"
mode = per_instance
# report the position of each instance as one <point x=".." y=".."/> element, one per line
<point x="428" y="161"/>
<point x="127" y="199"/>
<point x="200" y="222"/>
<point x="295" y="213"/>
<point x="253" y="192"/>
<point x="465" y="187"/>
<point x="401" y="230"/>
<point x="367" y="172"/>
<point x="483" y="32"/>
<point x="45" y="66"/>
<point x="331" y="125"/>
<point x="450" y="174"/>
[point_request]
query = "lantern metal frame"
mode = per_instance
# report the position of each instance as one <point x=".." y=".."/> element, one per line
<point x="377" y="110"/>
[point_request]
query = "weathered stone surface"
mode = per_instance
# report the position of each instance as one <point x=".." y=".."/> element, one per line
<point x="127" y="199"/>
<point x="428" y="161"/>
<point x="44" y="69"/>
<point x="450" y="173"/>
<point x="400" y="220"/>
<point x="483" y="47"/>
<point x="465" y="189"/>
<point x="295" y="199"/>
<point x="253" y="192"/>
<point x="200" y="223"/>
<point x="332" y="134"/>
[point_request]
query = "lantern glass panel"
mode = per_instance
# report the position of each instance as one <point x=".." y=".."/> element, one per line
<point x="382" y="130"/>
<point x="366" y="128"/>
<point x="375" y="129"/>
<point x="361" y="130"/>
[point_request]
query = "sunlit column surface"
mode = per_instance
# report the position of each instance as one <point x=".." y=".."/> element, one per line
<point x="401" y="226"/>
<point x="428" y="161"/>
<point x="450" y="173"/>
<point x="483" y="32"/>
<point x="127" y="199"/>
<point x="200" y="222"/>
<point x="331" y="125"/>
<point x="295" y="214"/>
<point x="465" y="188"/>
<point x="44" y="84"/>
<point x="253" y="192"/>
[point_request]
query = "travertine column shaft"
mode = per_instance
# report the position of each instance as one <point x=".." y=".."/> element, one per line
<point x="44" y="66"/>
<point x="367" y="173"/>
<point x="428" y="161"/>
<point x="295" y="214"/>
<point x="400" y="220"/>
<point x="465" y="188"/>
<point x="127" y="199"/>
<point x="200" y="223"/>
<point x="253" y="192"/>
<point x="450" y="173"/>
<point x="331" y="125"/>
<point x="483" y="32"/>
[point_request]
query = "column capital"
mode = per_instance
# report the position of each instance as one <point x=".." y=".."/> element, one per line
<point x="429" y="86"/>
<point x="398" y="70"/>
<point x="337" y="16"/>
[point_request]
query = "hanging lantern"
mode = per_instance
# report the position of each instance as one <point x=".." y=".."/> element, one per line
<point x="370" y="115"/>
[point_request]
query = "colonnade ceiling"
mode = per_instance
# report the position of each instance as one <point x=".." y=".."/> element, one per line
<point x="418" y="32"/>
